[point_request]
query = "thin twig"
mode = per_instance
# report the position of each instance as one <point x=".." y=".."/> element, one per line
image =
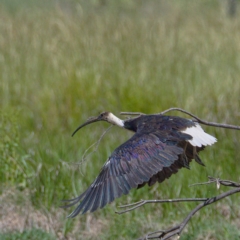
<point x="222" y="125"/>
<point x="211" y="180"/>
<point x="226" y="183"/>
<point x="132" y="113"/>
<point x="218" y="181"/>
<point x="143" y="202"/>
<point x="177" y="230"/>
<point x="199" y="120"/>
<point x="85" y="155"/>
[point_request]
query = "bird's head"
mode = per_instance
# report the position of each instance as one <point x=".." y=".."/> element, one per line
<point x="105" y="116"/>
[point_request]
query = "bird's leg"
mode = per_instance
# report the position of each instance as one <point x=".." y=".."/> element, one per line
<point x="184" y="157"/>
<point x="196" y="157"/>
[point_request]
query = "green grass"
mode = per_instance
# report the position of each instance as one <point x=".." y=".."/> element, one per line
<point x="27" y="235"/>
<point x="61" y="63"/>
<point x="213" y="230"/>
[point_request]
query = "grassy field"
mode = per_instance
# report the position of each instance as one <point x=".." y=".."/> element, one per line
<point x="64" y="61"/>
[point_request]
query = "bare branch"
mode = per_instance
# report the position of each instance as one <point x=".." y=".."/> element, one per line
<point x="222" y="125"/>
<point x="96" y="144"/>
<point x="226" y="183"/>
<point x="143" y="202"/>
<point x="132" y="113"/>
<point x="177" y="230"/>
<point x="199" y="120"/>
<point x="85" y="155"/>
<point x="218" y="182"/>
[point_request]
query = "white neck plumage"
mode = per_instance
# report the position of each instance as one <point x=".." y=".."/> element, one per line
<point x="115" y="120"/>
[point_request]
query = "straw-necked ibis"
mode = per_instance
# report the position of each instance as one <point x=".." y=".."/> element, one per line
<point x="160" y="146"/>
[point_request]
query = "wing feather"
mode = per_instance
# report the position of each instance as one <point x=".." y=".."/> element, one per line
<point x="133" y="163"/>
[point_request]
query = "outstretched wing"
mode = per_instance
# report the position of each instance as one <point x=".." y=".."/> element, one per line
<point x="129" y="166"/>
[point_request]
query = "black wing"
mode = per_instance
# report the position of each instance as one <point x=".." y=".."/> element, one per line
<point x="132" y="164"/>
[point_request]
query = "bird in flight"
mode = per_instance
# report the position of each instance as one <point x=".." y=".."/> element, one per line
<point x="160" y="146"/>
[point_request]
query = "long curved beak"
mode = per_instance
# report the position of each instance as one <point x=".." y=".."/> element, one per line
<point x="90" y="120"/>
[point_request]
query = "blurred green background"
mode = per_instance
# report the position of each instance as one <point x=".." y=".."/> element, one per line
<point x="64" y="61"/>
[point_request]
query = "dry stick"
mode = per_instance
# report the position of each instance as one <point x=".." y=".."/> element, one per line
<point x="132" y="113"/>
<point x="222" y="125"/>
<point x="85" y="155"/>
<point x="132" y="206"/>
<point x="143" y="202"/>
<point x="218" y="182"/>
<point x="177" y="230"/>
